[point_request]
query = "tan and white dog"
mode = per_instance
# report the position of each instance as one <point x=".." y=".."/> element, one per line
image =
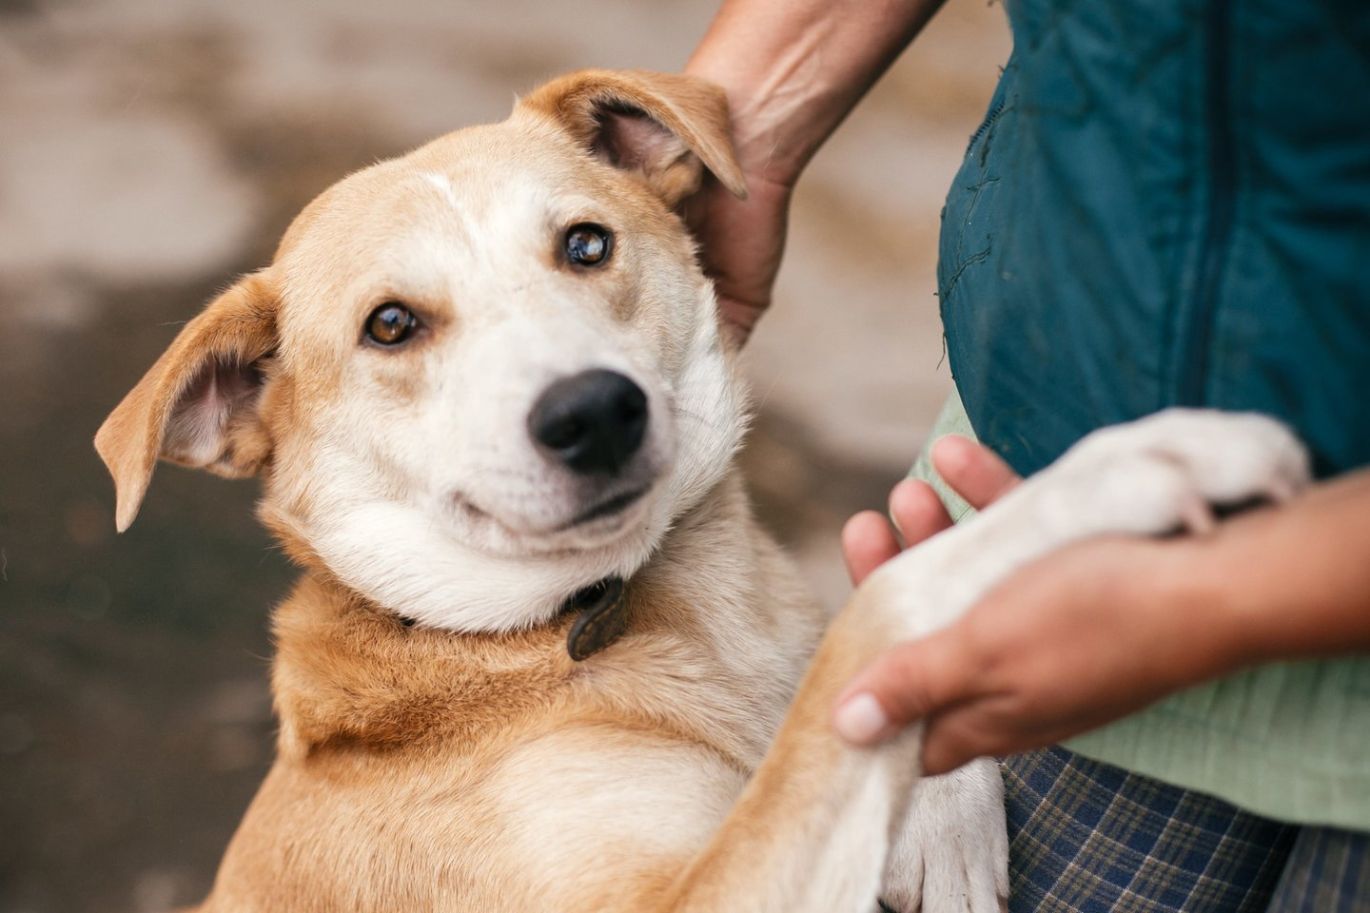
<point x="485" y="388"/>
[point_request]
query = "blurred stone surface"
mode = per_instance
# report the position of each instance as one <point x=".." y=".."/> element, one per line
<point x="149" y="151"/>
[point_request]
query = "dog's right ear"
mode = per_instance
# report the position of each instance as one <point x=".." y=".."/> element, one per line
<point x="197" y="405"/>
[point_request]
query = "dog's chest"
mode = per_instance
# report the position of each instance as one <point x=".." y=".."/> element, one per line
<point x="724" y="679"/>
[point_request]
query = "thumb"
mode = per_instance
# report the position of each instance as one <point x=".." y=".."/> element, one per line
<point x="907" y="682"/>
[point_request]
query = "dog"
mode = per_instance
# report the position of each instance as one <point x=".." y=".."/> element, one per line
<point x="541" y="655"/>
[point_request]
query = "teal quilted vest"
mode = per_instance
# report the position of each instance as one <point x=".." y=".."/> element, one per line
<point x="1168" y="203"/>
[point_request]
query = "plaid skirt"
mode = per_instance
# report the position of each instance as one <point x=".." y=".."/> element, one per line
<point x="1090" y="838"/>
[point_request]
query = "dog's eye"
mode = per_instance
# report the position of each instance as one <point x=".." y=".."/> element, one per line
<point x="588" y="244"/>
<point x="390" y="324"/>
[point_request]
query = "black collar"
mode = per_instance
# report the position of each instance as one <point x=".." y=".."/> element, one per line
<point x="601" y="617"/>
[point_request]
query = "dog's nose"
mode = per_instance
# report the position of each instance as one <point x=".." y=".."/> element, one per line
<point x="593" y="421"/>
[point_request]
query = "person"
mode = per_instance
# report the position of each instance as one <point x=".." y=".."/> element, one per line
<point x="1168" y="203"/>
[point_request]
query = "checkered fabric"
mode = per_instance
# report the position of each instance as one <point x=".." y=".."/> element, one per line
<point x="1328" y="872"/>
<point x="1091" y="838"/>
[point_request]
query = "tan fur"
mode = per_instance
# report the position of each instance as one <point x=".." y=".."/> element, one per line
<point x="466" y="763"/>
<point x="380" y="721"/>
<point x="694" y="117"/>
<point x="238" y="328"/>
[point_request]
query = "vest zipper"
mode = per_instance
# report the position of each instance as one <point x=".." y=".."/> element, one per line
<point x="1196" y="336"/>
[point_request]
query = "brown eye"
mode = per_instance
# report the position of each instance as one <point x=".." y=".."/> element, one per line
<point x="390" y="324"/>
<point x="588" y="244"/>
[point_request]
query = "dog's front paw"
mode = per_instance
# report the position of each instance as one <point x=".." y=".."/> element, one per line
<point x="951" y="855"/>
<point x="1164" y="472"/>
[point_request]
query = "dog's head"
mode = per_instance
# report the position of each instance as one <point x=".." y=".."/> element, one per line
<point x="478" y="377"/>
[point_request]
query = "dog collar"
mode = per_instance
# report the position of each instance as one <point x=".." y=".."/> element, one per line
<point x="601" y="617"/>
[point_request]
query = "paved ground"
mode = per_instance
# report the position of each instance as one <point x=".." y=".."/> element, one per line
<point x="151" y="150"/>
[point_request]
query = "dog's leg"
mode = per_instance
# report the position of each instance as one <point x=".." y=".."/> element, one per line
<point x="812" y="830"/>
<point x="950" y="851"/>
<point x="1150" y="476"/>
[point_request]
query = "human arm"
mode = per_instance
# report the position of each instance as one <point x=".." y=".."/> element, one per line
<point x="792" y="71"/>
<point x="1101" y="629"/>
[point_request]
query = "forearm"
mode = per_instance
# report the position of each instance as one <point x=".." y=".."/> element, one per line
<point x="1290" y="583"/>
<point x="793" y="69"/>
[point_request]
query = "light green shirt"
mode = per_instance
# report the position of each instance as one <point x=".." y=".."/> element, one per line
<point x="1288" y="740"/>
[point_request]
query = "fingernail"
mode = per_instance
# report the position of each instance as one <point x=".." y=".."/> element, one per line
<point x="860" y="719"/>
<point x="948" y="449"/>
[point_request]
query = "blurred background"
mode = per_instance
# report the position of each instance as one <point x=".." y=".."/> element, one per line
<point x="150" y="150"/>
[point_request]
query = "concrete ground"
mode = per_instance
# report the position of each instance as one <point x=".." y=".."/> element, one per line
<point x="149" y="151"/>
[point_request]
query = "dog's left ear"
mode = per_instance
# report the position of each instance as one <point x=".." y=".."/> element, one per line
<point x="665" y="127"/>
<point x="197" y="405"/>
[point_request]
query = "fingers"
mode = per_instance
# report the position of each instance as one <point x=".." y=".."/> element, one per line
<point x="973" y="471"/>
<point x="905" y="683"/>
<point x="868" y="541"/>
<point x="909" y="683"/>
<point x="954" y="738"/>
<point x="917" y="511"/>
<point x="913" y="680"/>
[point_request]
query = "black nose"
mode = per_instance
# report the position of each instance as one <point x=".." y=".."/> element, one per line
<point x="593" y="421"/>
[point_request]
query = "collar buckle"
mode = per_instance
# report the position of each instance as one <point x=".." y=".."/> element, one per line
<point x="601" y="617"/>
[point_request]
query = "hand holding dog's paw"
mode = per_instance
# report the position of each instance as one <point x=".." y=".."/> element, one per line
<point x="991" y="682"/>
<point x="951" y="855"/>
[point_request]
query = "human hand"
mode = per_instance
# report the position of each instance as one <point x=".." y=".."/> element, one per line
<point x="741" y="243"/>
<point x="792" y="72"/>
<point x="973" y="471"/>
<point x="1077" y="639"/>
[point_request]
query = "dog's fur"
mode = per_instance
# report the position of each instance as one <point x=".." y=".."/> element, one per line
<point x="438" y="748"/>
